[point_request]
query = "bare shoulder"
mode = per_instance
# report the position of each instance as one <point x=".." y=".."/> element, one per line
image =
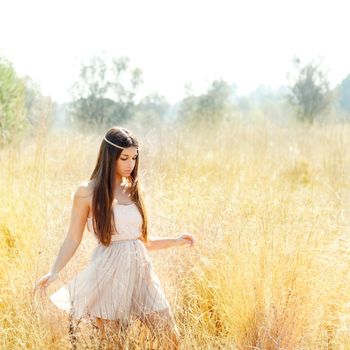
<point x="84" y="190"/>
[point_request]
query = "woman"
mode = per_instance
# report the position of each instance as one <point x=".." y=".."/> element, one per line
<point x="119" y="284"/>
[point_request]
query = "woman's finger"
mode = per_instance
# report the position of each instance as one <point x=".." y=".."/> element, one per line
<point x="40" y="291"/>
<point x="188" y="240"/>
<point x="189" y="237"/>
<point x="37" y="286"/>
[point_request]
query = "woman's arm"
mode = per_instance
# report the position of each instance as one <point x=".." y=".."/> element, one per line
<point x="79" y="213"/>
<point x="80" y="209"/>
<point x="155" y="243"/>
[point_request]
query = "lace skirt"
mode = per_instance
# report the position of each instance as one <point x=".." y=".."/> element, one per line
<point x="119" y="283"/>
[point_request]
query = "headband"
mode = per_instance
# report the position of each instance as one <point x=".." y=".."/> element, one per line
<point x="113" y="144"/>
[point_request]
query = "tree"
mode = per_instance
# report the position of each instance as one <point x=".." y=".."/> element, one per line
<point x="105" y="94"/>
<point x="344" y="94"/>
<point x="152" y="109"/>
<point x="309" y="90"/>
<point x="214" y="105"/>
<point x="12" y="106"/>
<point x="211" y="107"/>
<point x="39" y="108"/>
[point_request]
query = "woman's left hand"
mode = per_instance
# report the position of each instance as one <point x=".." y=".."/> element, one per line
<point x="185" y="238"/>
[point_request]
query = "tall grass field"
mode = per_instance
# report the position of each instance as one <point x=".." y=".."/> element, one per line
<point x="270" y="209"/>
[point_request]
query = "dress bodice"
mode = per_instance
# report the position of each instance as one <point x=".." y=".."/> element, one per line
<point x="128" y="222"/>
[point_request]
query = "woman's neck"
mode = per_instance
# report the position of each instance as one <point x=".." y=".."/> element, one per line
<point x="118" y="181"/>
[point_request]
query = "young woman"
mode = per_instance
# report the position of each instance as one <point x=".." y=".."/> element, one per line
<point x="119" y="284"/>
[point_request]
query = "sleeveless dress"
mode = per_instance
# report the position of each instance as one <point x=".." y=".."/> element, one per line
<point x="119" y="282"/>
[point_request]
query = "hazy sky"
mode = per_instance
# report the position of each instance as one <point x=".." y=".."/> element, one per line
<point x="175" y="42"/>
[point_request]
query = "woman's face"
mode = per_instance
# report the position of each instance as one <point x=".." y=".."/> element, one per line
<point x="126" y="161"/>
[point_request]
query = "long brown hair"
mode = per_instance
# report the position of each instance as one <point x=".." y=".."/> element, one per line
<point x="104" y="178"/>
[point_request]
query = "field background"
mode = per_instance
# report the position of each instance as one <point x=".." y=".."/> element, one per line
<point x="268" y="205"/>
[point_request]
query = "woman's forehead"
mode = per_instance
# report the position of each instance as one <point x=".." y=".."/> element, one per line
<point x="130" y="151"/>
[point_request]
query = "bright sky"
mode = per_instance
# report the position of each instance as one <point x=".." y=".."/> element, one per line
<point x="175" y="42"/>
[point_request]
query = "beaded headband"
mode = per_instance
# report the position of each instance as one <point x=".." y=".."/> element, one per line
<point x="113" y="144"/>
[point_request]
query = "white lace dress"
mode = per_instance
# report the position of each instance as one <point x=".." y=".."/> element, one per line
<point x="119" y="282"/>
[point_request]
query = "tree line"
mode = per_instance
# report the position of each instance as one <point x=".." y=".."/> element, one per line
<point x="105" y="94"/>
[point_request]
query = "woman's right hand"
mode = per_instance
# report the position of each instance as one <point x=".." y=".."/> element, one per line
<point x="45" y="281"/>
